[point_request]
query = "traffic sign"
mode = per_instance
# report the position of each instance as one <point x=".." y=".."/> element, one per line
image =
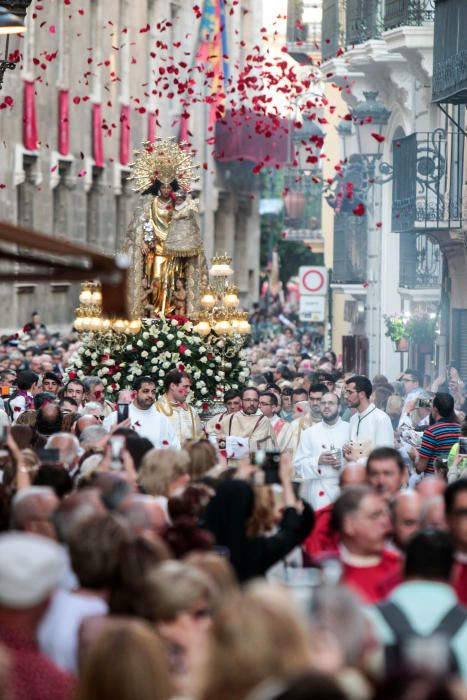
<point x="311" y="308"/>
<point x="313" y="280"/>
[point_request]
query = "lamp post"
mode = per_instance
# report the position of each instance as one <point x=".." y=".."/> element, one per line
<point x="370" y="118"/>
<point x="11" y="23"/>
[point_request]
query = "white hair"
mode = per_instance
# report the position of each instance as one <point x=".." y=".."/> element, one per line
<point x="69" y="451"/>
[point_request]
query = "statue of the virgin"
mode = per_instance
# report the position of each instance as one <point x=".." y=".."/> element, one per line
<point x="163" y="243"/>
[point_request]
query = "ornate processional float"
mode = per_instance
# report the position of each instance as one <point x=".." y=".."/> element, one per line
<point x="182" y="315"/>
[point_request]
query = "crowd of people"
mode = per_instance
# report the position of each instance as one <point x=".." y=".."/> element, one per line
<point x="309" y="541"/>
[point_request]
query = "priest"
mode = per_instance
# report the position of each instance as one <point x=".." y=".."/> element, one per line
<point x="250" y="423"/>
<point x="173" y="405"/>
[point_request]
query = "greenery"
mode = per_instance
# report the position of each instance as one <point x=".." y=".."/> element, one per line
<point x="118" y="358"/>
<point x="396" y="327"/>
<point x="419" y="329"/>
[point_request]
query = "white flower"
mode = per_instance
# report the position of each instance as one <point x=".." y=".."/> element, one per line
<point x="144" y="354"/>
<point x="145" y="335"/>
<point x="188" y="352"/>
<point x="204" y="391"/>
<point x="117" y="376"/>
<point x="139" y="343"/>
<point x="196" y="375"/>
<point x="104" y="370"/>
<point x="170" y="336"/>
<point x="180" y="335"/>
<point x="217" y="378"/>
<point x="203" y="359"/>
<point x="209" y="372"/>
<point x="154" y="360"/>
<point x="130" y="377"/>
<point x="178" y="343"/>
<point x="174" y="322"/>
<point x="129" y="347"/>
<point x="93" y="363"/>
<point x="94" y="355"/>
<point x="161" y="373"/>
<point x="154" y="348"/>
<point x="166" y="365"/>
<point x="138" y="371"/>
<point x="104" y="381"/>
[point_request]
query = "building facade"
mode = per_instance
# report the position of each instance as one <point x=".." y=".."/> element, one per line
<point x="92" y="84"/>
<point x="406" y="254"/>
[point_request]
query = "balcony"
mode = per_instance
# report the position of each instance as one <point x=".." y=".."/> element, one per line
<point x="450" y="52"/>
<point x="333" y="28"/>
<point x="428" y="181"/>
<point x="419" y="262"/>
<point x="302" y="207"/>
<point x="350" y="249"/>
<point x="408" y="13"/>
<point x="363" y="21"/>
<point x="303" y="30"/>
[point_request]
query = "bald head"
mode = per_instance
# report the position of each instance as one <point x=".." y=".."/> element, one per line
<point x="143" y="514"/>
<point x="432" y="486"/>
<point x="406" y="517"/>
<point x="32" y="509"/>
<point x="353" y="474"/>
<point x="84" y="422"/>
<point x="433" y="513"/>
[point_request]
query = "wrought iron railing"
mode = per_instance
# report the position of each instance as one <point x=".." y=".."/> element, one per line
<point x="450" y="53"/>
<point x="333" y="28"/>
<point x="350" y="249"/>
<point x="420" y="262"/>
<point x="428" y="181"/>
<point x="398" y="13"/>
<point x="364" y="20"/>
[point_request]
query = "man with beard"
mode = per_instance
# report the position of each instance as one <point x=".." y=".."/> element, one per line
<point x="249" y="423"/>
<point x="318" y="460"/>
<point x="369" y="426"/>
<point x="307" y="412"/>
<point x="144" y="417"/>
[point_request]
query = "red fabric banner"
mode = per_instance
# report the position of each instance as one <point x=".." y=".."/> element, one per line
<point x="30" y="137"/>
<point x="125" y="135"/>
<point x="152" y="127"/>
<point x="97" y="135"/>
<point x="63" y="123"/>
<point x="245" y="135"/>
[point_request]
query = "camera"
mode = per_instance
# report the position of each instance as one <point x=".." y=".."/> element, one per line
<point x="424" y="403"/>
<point x="123" y="412"/>
<point x="268" y="461"/>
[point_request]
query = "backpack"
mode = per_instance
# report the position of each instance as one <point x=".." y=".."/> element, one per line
<point x="403" y="630"/>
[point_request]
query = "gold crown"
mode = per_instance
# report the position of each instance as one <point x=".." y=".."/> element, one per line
<point x="165" y="161"/>
<point x="221" y="259"/>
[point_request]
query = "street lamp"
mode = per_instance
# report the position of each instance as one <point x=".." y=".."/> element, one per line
<point x="10" y="24"/>
<point x="370" y="118"/>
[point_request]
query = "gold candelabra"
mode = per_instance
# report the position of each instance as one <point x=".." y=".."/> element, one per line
<point x="89" y="313"/>
<point x="220" y="303"/>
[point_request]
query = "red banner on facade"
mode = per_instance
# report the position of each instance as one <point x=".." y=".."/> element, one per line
<point x="152" y="127"/>
<point x="63" y="123"/>
<point x="30" y="137"/>
<point x="97" y="136"/>
<point x="125" y="135"/>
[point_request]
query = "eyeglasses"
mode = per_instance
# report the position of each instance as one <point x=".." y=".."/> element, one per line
<point x="407" y="379"/>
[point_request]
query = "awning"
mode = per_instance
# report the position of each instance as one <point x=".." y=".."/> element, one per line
<point x="244" y="135"/>
<point x="48" y="259"/>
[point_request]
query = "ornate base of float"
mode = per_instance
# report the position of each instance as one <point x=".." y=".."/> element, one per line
<point x="155" y="346"/>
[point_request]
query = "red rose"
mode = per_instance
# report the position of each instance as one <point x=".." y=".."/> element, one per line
<point x="72" y="375"/>
<point x="165" y="442"/>
<point x="359" y="210"/>
<point x="104" y="358"/>
<point x="181" y="367"/>
<point x="182" y="349"/>
<point x="209" y="355"/>
<point x="205" y="405"/>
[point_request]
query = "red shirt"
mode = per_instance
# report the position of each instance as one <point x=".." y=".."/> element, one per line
<point x="459" y="581"/>
<point x="374" y="582"/>
<point x="32" y="676"/>
<point x="322" y="538"/>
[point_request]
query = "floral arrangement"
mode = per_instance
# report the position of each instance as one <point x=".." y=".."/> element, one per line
<point x="171" y="342"/>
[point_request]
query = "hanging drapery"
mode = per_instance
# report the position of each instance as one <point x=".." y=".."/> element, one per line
<point x="125" y="135"/>
<point x="30" y="136"/>
<point x="97" y="135"/>
<point x="63" y="123"/>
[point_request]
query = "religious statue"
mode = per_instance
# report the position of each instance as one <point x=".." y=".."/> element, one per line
<point x="163" y="243"/>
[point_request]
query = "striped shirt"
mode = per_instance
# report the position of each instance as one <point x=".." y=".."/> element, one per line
<point x="437" y="441"/>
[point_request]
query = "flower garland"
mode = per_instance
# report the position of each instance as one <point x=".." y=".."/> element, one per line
<point x="161" y="345"/>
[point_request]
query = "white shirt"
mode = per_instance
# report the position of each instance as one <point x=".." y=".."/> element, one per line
<point x="321" y="481"/>
<point x="150" y="424"/>
<point x="373" y="425"/>
<point x="59" y="628"/>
